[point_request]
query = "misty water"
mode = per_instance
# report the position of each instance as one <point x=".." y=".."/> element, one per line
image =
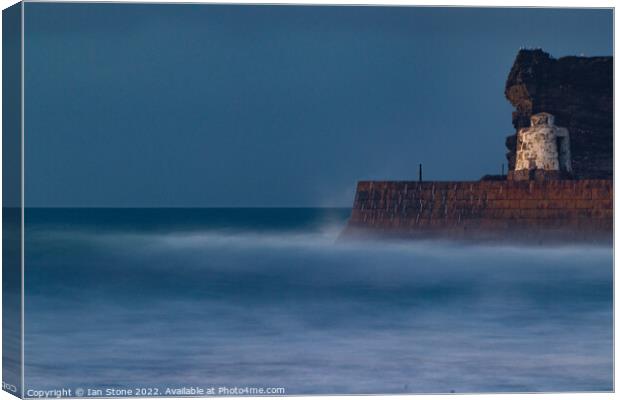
<point x="270" y="298"/>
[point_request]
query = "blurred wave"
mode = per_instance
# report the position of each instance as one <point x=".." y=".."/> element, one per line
<point x="289" y="305"/>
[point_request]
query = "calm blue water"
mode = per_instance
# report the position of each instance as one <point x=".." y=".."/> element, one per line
<point x="121" y="298"/>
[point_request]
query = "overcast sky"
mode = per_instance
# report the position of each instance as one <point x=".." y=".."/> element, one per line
<point x="210" y="105"/>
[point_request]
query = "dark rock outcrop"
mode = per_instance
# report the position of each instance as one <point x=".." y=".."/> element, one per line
<point x="578" y="91"/>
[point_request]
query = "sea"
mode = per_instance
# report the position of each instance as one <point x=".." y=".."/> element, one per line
<point x="157" y="299"/>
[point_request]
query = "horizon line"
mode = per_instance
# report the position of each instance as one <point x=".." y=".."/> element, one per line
<point x="172" y="207"/>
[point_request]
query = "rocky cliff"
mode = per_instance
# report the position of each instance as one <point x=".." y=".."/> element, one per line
<point x="578" y="91"/>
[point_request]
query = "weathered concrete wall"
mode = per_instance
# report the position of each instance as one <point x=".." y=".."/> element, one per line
<point x="523" y="210"/>
<point x="537" y="146"/>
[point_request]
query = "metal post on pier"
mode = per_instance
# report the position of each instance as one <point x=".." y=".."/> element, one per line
<point x="420" y="172"/>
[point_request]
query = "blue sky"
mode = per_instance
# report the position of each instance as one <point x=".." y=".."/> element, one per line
<point x="138" y="105"/>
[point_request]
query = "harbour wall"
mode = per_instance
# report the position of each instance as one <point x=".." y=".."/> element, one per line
<point x="540" y="211"/>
